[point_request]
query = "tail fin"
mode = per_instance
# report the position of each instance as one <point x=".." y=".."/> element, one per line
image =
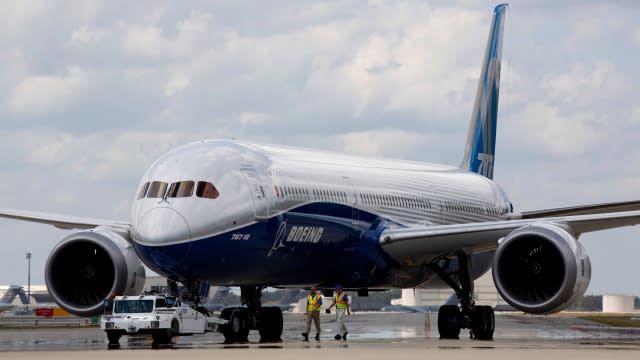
<point x="11" y="294"/>
<point x="481" y="139"/>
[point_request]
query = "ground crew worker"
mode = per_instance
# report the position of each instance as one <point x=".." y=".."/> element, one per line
<point x="314" y="302"/>
<point x="341" y="302"/>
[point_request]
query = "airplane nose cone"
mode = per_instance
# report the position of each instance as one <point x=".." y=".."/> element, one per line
<point x="163" y="226"/>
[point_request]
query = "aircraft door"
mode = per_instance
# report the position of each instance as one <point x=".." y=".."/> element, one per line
<point x="258" y="193"/>
<point x="353" y="199"/>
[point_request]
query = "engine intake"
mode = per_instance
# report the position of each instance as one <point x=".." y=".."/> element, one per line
<point x="541" y="269"/>
<point x="86" y="267"/>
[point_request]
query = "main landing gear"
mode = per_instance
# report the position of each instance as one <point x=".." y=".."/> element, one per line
<point x="267" y="320"/>
<point x="451" y="318"/>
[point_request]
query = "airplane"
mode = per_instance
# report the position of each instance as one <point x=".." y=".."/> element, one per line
<point x="236" y="213"/>
<point x="6" y="301"/>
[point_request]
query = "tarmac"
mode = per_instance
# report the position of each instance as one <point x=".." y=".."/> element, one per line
<point x="389" y="336"/>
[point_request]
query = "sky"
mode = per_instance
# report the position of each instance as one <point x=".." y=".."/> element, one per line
<point x="91" y="92"/>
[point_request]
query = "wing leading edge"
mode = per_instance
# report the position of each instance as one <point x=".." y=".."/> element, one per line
<point x="423" y="244"/>
<point x="60" y="221"/>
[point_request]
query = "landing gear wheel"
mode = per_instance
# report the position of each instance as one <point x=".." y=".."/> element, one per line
<point x="270" y="324"/>
<point x="237" y="329"/>
<point x="114" y="339"/>
<point x="449" y="322"/>
<point x="483" y="322"/>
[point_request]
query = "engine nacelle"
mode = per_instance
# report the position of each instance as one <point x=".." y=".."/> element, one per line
<point x="541" y="269"/>
<point x="87" y="267"/>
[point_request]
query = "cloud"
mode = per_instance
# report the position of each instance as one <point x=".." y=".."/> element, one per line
<point x="548" y="131"/>
<point x="176" y="85"/>
<point x="592" y="22"/>
<point x="40" y="94"/>
<point x="582" y="86"/>
<point x="248" y="119"/>
<point x="379" y="142"/>
<point x="191" y="36"/>
<point x="83" y="36"/>
<point x="635" y="117"/>
<point x="635" y="36"/>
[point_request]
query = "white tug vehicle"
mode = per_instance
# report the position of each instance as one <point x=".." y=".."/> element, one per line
<point x="163" y="317"/>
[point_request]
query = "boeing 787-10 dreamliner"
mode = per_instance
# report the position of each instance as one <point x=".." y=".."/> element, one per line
<point x="234" y="213"/>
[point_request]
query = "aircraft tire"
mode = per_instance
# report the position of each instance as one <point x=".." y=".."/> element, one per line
<point x="270" y="324"/>
<point x="483" y="322"/>
<point x="237" y="329"/>
<point x="449" y="322"/>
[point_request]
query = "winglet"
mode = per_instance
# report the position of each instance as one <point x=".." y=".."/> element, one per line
<point x="481" y="138"/>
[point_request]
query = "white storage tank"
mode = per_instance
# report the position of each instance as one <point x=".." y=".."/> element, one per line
<point x="618" y="303"/>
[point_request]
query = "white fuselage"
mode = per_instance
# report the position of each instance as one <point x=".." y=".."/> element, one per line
<point x="259" y="183"/>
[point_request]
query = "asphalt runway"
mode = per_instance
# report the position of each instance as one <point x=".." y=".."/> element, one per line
<point x="372" y="336"/>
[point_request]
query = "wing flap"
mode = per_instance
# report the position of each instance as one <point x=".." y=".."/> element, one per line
<point x="60" y="221"/>
<point x="415" y="245"/>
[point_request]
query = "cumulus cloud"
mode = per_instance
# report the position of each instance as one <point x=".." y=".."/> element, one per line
<point x="546" y="129"/>
<point x="176" y="85"/>
<point x="84" y="36"/>
<point x="41" y="94"/>
<point x="582" y="85"/>
<point x="152" y="41"/>
<point x="379" y="142"/>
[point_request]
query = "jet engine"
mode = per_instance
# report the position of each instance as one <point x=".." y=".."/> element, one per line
<point x="541" y="269"/>
<point x="87" y="267"/>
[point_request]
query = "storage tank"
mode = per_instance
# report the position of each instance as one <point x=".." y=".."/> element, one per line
<point x="618" y="303"/>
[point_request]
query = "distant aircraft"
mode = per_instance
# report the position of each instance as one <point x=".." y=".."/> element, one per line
<point x="6" y="301"/>
<point x="234" y="213"/>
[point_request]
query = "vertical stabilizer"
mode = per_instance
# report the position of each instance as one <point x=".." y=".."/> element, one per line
<point x="11" y="294"/>
<point x="481" y="139"/>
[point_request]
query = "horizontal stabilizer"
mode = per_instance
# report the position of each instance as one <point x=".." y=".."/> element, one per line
<point x="583" y="210"/>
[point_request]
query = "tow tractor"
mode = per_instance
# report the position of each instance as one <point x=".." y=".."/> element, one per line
<point x="159" y="315"/>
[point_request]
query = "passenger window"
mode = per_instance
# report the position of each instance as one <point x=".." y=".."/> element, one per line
<point x="181" y="189"/>
<point x="157" y="189"/>
<point x="206" y="190"/>
<point x="143" y="190"/>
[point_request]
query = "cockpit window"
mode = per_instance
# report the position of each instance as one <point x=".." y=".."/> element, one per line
<point x="157" y="189"/>
<point x="207" y="190"/>
<point x="181" y="189"/>
<point x="143" y="190"/>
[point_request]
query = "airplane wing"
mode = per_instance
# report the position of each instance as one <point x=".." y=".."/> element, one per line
<point x="60" y="221"/>
<point x="583" y="210"/>
<point x="414" y="245"/>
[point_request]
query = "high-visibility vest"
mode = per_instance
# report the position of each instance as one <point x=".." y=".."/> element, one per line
<point x="313" y="302"/>
<point x="340" y="303"/>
